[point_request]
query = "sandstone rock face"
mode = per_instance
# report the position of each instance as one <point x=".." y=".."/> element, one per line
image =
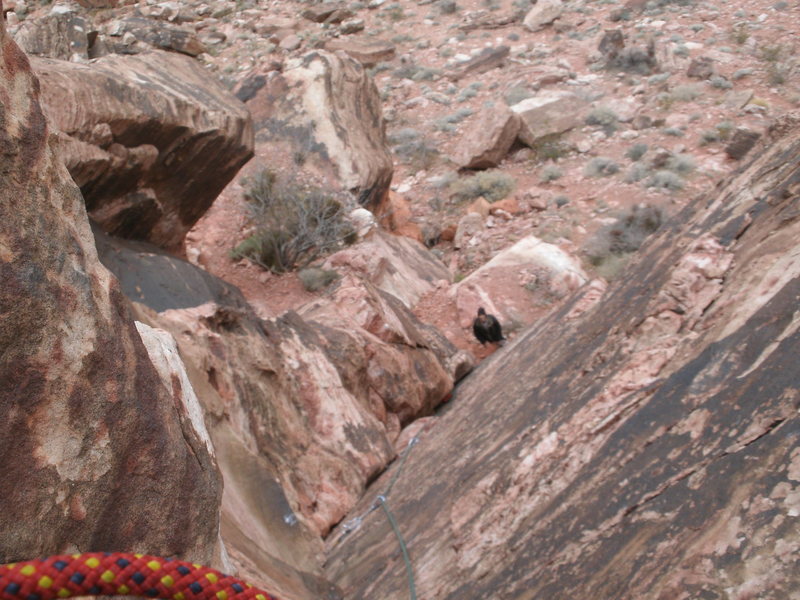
<point x="646" y="449"/>
<point x="397" y="265"/>
<point x="533" y="275"/>
<point x="548" y="113"/>
<point x="150" y="139"/>
<point x="490" y="139"/>
<point x="98" y="454"/>
<point x="326" y="112"/>
<point x="318" y="397"/>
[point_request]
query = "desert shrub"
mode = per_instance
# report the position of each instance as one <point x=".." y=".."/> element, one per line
<point x="637" y="172"/>
<point x="447" y="7"/>
<point x="709" y="136"/>
<point x="720" y="83"/>
<point x="682" y="164"/>
<point x="550" y="173"/>
<point x="294" y="224"/>
<point x="601" y="166"/>
<point x="673" y="131"/>
<point x="725" y="129"/>
<point x="314" y="278"/>
<point x="603" y="117"/>
<point x="492" y="185"/>
<point x="685" y="93"/>
<point x="608" y="249"/>
<point x="666" y="180"/>
<point x="636" y="151"/>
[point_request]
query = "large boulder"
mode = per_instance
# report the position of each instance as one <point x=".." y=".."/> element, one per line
<point x="547" y="114"/>
<point x="646" y="449"/>
<point x="395" y="264"/>
<point x="521" y="284"/>
<point x="150" y="139"/>
<point x="489" y="139"/>
<point x="324" y="111"/>
<point x="98" y="453"/>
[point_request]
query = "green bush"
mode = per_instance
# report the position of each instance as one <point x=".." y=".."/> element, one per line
<point x="492" y="185"/>
<point x="294" y="224"/>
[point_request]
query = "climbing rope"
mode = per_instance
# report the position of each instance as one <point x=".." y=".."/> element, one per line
<point x="119" y="574"/>
<point x="381" y="502"/>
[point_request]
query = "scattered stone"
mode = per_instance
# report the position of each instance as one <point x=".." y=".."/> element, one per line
<point x="742" y="142"/>
<point x="488" y="141"/>
<point x="486" y="60"/>
<point x="548" y="113"/>
<point x="701" y="67"/>
<point x="158" y="35"/>
<point x="291" y="42"/>
<point x="351" y="26"/>
<point x="323" y="13"/>
<point x="542" y="14"/>
<point x="737" y="99"/>
<point x="60" y="34"/>
<point x="367" y="51"/>
<point x="468" y="226"/>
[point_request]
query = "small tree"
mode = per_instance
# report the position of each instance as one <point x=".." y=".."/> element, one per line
<point x="294" y="224"/>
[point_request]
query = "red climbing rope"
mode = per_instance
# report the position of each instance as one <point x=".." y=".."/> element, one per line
<point x="118" y="574"/>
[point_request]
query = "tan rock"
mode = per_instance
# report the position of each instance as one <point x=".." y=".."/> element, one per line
<point x="394" y="215"/>
<point x="489" y="139"/>
<point x="397" y="265"/>
<point x="542" y="14"/>
<point x="179" y="137"/>
<point x="511" y="205"/>
<point x="367" y="51"/>
<point x="548" y="113"/>
<point x="520" y="283"/>
<point x="97" y="451"/>
<point x="325" y="109"/>
<point x="481" y="207"/>
<point x="468" y="226"/>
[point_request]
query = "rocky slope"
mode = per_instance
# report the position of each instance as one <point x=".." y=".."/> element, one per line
<point x="639" y="442"/>
<point x="647" y="448"/>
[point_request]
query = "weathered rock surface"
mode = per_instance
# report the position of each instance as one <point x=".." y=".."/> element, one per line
<point x="543" y="13"/>
<point x="98" y="454"/>
<point x="155" y="34"/>
<point x="150" y="139"/>
<point x="325" y="111"/>
<point x="647" y="449"/>
<point x="532" y="274"/>
<point x="62" y="34"/>
<point x="319" y="396"/>
<point x="548" y="113"/>
<point x="397" y="265"/>
<point x="489" y="140"/>
<point x="367" y="51"/>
